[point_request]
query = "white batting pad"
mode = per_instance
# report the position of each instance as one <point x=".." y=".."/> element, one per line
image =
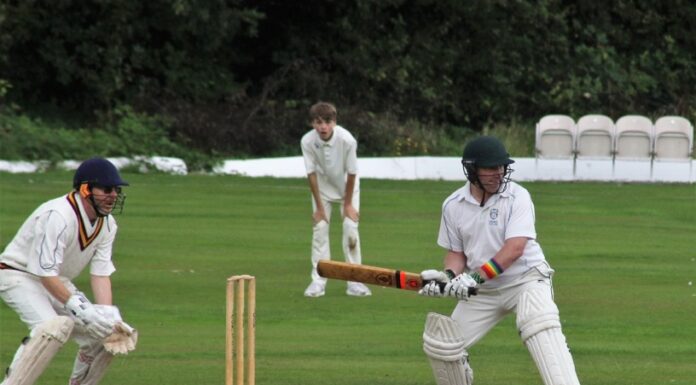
<point x="320" y="241"/>
<point x="351" y="241"/>
<point x="36" y="353"/>
<point x="320" y="248"/>
<point x="540" y="330"/>
<point x="443" y="343"/>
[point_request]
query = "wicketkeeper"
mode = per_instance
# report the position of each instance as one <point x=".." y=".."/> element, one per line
<point x="487" y="228"/>
<point x="58" y="240"/>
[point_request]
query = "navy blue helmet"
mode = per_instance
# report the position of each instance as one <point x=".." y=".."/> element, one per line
<point x="98" y="172"/>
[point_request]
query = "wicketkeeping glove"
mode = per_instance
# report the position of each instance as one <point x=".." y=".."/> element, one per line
<point x="87" y="315"/>
<point x="122" y="340"/>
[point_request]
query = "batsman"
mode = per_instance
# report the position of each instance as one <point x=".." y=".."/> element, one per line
<point x="487" y="228"/>
<point x="58" y="240"/>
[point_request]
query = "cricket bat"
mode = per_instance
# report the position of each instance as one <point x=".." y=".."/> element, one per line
<point x="374" y="275"/>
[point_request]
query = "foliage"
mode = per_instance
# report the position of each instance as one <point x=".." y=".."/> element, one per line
<point x="518" y="140"/>
<point x="476" y="63"/>
<point x="237" y="76"/>
<point x="130" y="133"/>
<point x="98" y="54"/>
<point x="379" y="134"/>
<point x="179" y="238"/>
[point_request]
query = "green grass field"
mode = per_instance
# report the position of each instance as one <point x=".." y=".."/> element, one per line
<point x="624" y="254"/>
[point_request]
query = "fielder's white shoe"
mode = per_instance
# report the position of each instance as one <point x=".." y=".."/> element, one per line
<point x="315" y="289"/>
<point x="357" y="289"/>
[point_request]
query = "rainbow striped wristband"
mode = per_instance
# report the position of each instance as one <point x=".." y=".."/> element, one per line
<point x="491" y="269"/>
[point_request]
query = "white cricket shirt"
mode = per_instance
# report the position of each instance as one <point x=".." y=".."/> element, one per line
<point x="332" y="161"/>
<point x="58" y="240"/>
<point x="479" y="232"/>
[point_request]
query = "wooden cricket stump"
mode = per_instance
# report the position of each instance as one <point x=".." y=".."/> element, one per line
<point x="240" y="355"/>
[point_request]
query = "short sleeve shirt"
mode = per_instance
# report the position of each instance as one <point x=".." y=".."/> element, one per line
<point x="480" y="232"/>
<point x="58" y="239"/>
<point x="332" y="161"/>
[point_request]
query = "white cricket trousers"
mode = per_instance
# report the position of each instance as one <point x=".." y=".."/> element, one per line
<point x="25" y="294"/>
<point x="320" y="237"/>
<point x="477" y="316"/>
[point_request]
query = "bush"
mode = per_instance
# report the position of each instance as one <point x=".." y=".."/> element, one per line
<point x="386" y="135"/>
<point x="26" y="138"/>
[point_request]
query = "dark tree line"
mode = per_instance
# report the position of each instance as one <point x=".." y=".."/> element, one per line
<point x="239" y="75"/>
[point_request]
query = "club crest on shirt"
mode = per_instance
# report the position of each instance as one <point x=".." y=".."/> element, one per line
<point x="493" y="217"/>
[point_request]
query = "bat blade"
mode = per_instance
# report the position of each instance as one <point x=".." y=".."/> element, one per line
<point x="372" y="275"/>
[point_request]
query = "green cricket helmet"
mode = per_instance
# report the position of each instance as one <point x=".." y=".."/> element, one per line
<point x="486" y="152"/>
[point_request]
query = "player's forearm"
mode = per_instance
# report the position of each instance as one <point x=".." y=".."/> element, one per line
<point x="511" y="251"/>
<point x="101" y="288"/>
<point x="56" y="288"/>
<point x="314" y="188"/>
<point x="455" y="261"/>
<point x="350" y="186"/>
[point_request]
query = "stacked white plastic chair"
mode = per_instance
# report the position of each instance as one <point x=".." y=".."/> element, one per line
<point x="555" y="148"/>
<point x="673" y="148"/>
<point x="594" y="147"/>
<point x="633" y="149"/>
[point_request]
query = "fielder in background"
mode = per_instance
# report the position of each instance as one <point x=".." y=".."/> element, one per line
<point x="487" y="228"/>
<point x="58" y="240"/>
<point x="330" y="158"/>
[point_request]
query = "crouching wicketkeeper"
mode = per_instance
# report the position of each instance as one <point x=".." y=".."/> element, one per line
<point x="53" y="246"/>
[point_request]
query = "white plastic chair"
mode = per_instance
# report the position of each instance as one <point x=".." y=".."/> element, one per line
<point x="633" y="147"/>
<point x="555" y="137"/>
<point x="634" y="137"/>
<point x="674" y="138"/>
<point x="594" y="148"/>
<point x="555" y="148"/>
<point x="595" y="136"/>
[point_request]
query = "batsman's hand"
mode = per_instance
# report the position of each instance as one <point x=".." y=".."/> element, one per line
<point x="87" y="315"/>
<point x="436" y="279"/>
<point x="461" y="287"/>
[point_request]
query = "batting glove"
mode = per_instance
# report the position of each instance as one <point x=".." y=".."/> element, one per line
<point x="87" y="315"/>
<point x="436" y="280"/>
<point x="461" y="287"/>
